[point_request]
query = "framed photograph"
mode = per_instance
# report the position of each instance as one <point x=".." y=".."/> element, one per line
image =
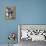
<point x="10" y="12"/>
<point x="32" y="32"/>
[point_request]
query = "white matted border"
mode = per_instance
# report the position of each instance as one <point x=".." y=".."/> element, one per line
<point x="18" y="33"/>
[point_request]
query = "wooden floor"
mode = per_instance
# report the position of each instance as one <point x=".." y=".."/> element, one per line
<point x="28" y="43"/>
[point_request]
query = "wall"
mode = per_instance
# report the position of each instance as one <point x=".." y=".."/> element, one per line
<point x="31" y="11"/>
<point x="27" y="12"/>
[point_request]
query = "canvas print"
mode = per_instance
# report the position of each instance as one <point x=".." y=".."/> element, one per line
<point x="10" y="12"/>
<point x="12" y="38"/>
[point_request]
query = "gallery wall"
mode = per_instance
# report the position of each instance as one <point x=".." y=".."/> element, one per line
<point x="27" y="12"/>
